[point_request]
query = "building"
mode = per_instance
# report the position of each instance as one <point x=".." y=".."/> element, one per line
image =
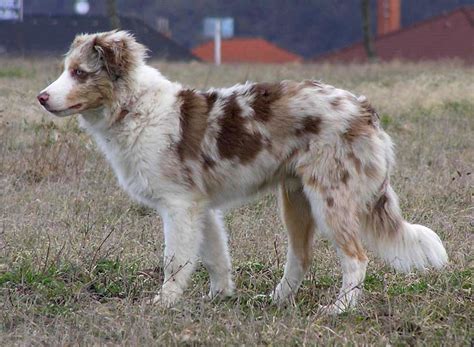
<point x="52" y="35"/>
<point x="448" y="36"/>
<point x="246" y="50"/>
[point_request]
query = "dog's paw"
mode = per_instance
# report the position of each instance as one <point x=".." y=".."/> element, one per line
<point x="218" y="294"/>
<point x="220" y="289"/>
<point x="282" y="295"/>
<point x="331" y="310"/>
<point x="334" y="309"/>
<point x="168" y="296"/>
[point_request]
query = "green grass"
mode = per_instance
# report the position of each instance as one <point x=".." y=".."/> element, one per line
<point x="15" y="72"/>
<point x="79" y="261"/>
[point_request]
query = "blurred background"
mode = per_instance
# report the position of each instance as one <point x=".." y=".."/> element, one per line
<point x="257" y="31"/>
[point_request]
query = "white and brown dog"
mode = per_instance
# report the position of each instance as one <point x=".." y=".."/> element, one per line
<point x="188" y="153"/>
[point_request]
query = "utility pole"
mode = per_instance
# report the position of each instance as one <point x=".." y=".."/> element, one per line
<point x="112" y="13"/>
<point x="217" y="42"/>
<point x="21" y="10"/>
<point x="367" y="30"/>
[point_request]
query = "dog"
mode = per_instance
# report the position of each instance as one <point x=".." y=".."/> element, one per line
<point x="189" y="154"/>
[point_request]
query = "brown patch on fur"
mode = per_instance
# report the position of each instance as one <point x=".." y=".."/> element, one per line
<point x="311" y="125"/>
<point x="364" y="124"/>
<point x="122" y="114"/>
<point x="315" y="183"/>
<point x="336" y="102"/>
<point x="345" y="176"/>
<point x="207" y="162"/>
<point x="312" y="181"/>
<point x="299" y="222"/>
<point x="360" y="126"/>
<point x="384" y="217"/>
<point x="118" y="56"/>
<point x="371" y="171"/>
<point x="193" y="123"/>
<point x="342" y="220"/>
<point x="352" y="247"/>
<point x="100" y="94"/>
<point x="188" y="176"/>
<point x="379" y="205"/>
<point x="344" y="226"/>
<point x="330" y="202"/>
<point x="211" y="99"/>
<point x="233" y="140"/>
<point x="265" y="94"/>
<point x="357" y="162"/>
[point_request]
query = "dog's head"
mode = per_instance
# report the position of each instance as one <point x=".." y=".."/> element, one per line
<point x="93" y="68"/>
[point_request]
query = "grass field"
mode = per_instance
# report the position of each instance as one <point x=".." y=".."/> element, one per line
<point x="79" y="260"/>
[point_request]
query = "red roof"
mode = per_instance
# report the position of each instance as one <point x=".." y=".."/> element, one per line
<point x="442" y="37"/>
<point x="246" y="50"/>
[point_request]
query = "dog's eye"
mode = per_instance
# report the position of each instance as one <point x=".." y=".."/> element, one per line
<point x="78" y="73"/>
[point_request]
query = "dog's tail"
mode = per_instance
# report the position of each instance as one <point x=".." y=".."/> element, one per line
<point x="401" y="244"/>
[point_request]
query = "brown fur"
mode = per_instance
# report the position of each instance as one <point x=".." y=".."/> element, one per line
<point x="362" y="125"/>
<point x="336" y="102"/>
<point x="372" y="172"/>
<point x="98" y="91"/>
<point x="193" y="122"/>
<point x="356" y="161"/>
<point x="299" y="222"/>
<point x="265" y="94"/>
<point x="345" y="176"/>
<point x="207" y="162"/>
<point x="311" y="125"/>
<point x="383" y="217"/>
<point x="233" y="140"/>
<point x="122" y="114"/>
<point x="118" y="57"/>
<point x="330" y="201"/>
<point x="211" y="99"/>
<point x="343" y="221"/>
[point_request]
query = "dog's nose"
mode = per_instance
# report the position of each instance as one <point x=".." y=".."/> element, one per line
<point x="43" y="98"/>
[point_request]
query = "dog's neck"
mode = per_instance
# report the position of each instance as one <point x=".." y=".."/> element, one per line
<point x="128" y="95"/>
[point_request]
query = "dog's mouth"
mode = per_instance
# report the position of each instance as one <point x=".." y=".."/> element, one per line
<point x="73" y="107"/>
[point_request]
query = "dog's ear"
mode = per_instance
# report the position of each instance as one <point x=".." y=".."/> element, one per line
<point x="118" y="52"/>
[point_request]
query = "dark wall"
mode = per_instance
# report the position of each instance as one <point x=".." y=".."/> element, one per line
<point x="307" y="27"/>
<point x="50" y="35"/>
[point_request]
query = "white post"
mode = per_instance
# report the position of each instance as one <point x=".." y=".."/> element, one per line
<point x="21" y="10"/>
<point x="217" y="42"/>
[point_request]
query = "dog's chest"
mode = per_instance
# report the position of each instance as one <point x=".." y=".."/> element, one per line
<point x="137" y="167"/>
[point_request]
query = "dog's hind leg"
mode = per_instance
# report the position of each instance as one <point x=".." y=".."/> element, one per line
<point x="215" y="256"/>
<point x="297" y="217"/>
<point x="335" y="211"/>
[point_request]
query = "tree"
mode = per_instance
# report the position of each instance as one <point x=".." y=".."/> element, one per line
<point x="367" y="30"/>
<point x="112" y="13"/>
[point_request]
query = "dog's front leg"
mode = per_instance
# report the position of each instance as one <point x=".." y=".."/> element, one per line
<point x="215" y="255"/>
<point x="183" y="237"/>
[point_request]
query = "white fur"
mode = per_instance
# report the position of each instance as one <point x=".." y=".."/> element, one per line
<point x="353" y="274"/>
<point x="58" y="90"/>
<point x="416" y="247"/>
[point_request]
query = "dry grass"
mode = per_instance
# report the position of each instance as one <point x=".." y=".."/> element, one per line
<point x="78" y="259"/>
